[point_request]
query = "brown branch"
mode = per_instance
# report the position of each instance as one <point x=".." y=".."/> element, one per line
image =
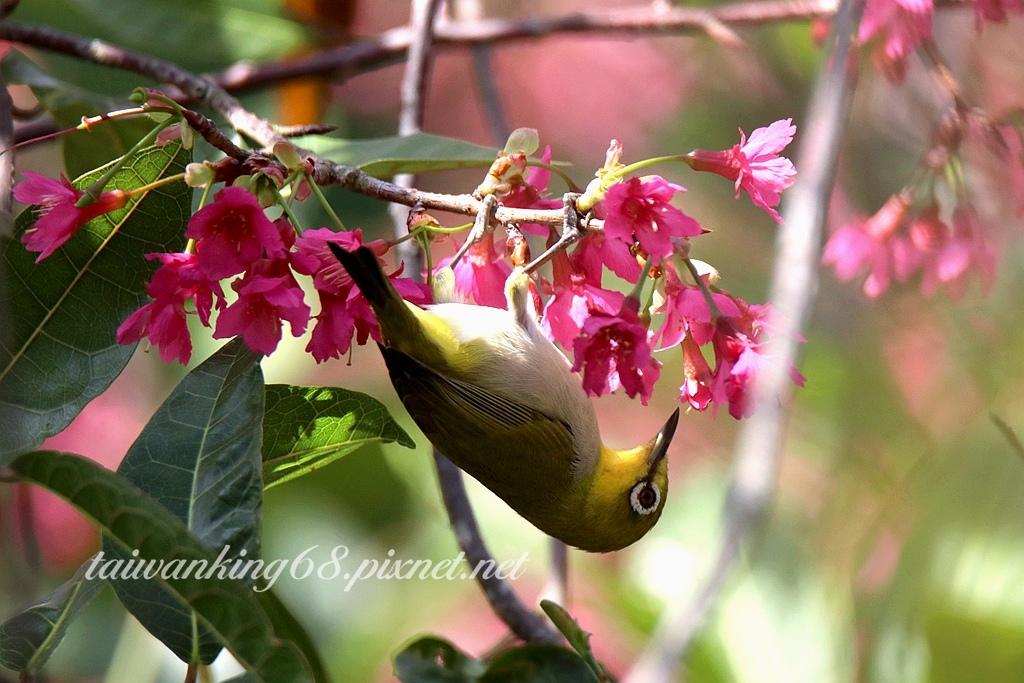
<point x="794" y="284"/>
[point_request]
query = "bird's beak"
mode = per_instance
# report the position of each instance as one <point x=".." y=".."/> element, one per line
<point x="659" y="447"/>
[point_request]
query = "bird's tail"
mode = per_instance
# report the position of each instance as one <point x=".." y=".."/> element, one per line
<point x="363" y="266"/>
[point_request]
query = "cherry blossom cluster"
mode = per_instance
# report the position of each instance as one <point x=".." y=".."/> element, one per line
<point x="643" y="239"/>
<point x="894" y="28"/>
<point x="920" y="232"/>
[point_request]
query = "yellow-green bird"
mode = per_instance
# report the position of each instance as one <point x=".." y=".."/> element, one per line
<point x="497" y="398"/>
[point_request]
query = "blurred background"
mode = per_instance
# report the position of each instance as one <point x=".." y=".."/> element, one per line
<point x="895" y="548"/>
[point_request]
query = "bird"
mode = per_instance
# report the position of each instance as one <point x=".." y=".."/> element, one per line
<point x="495" y="396"/>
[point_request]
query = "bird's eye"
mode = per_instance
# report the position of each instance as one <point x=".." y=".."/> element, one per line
<point x="644" y="497"/>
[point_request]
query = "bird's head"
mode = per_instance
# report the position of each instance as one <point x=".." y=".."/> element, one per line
<point x="627" y="492"/>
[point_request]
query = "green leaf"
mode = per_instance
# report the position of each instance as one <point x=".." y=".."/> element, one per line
<point x="434" y="660"/>
<point x="306" y="428"/>
<point x="539" y="664"/>
<point x="577" y="637"/>
<point x="227" y="607"/>
<point x="58" y="351"/>
<point x="199" y="457"/>
<point x="288" y="627"/>
<point x="29" y="637"/>
<point x="385" y="157"/>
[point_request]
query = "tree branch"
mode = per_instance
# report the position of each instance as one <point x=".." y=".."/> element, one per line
<point x="793" y="287"/>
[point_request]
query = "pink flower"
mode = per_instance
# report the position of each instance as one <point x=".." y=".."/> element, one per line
<point x="955" y="253"/>
<point x="344" y="311"/>
<point x="234" y="233"/>
<point x="900" y="26"/>
<point x="59" y="218"/>
<point x="482" y="272"/>
<point x="868" y="245"/>
<point x="612" y="351"/>
<point x="575" y="295"/>
<point x="164" y="320"/>
<point x="754" y="164"/>
<point x="641" y="207"/>
<point x="530" y="195"/>
<point x="267" y="294"/>
<point x="687" y="313"/>
<point x="995" y="11"/>
<point x="595" y="251"/>
<point x="696" y="388"/>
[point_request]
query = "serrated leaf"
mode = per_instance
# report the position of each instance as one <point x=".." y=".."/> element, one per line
<point x="539" y="664"/>
<point x="29" y="637"/>
<point x="577" y="637"/>
<point x="228" y="607"/>
<point x="434" y="660"/>
<point x="385" y="157"/>
<point x="59" y="350"/>
<point x="199" y="457"/>
<point x="307" y="428"/>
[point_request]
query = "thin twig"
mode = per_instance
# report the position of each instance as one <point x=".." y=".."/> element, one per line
<point x="410" y="118"/>
<point x="793" y="287"/>
<point x="526" y="624"/>
<point x="6" y="157"/>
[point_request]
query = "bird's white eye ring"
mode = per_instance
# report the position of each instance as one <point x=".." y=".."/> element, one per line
<point x="644" y="497"/>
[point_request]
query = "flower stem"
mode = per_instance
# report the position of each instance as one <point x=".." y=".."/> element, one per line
<point x="324" y="203"/>
<point x="93" y="192"/>
<point x="155" y="184"/>
<point x="712" y="306"/>
<point x="625" y="170"/>
<point x="286" y="207"/>
<point x="557" y="171"/>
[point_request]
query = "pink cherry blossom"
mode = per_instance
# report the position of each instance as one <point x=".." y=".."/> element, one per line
<point x="687" y="312"/>
<point x="640" y="207"/>
<point x="164" y="320"/>
<point x="900" y="26"/>
<point x="313" y="257"/>
<point x="957" y="253"/>
<point x="696" y="388"/>
<point x="234" y="233"/>
<point x="755" y="165"/>
<point x="267" y="295"/>
<point x="575" y="293"/>
<point x="59" y="218"/>
<point x="612" y="351"/>
<point x="596" y="251"/>
<point x="868" y="245"/>
<point x="482" y="273"/>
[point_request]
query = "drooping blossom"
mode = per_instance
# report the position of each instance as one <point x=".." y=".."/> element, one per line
<point x="481" y="273"/>
<point x="235" y="233"/>
<point x="640" y="207"/>
<point x="868" y="245"/>
<point x="899" y="26"/>
<point x="596" y="251"/>
<point x="344" y="311"/>
<point x="267" y="295"/>
<point x="59" y="218"/>
<point x="996" y="11"/>
<point x="687" y="313"/>
<point x="164" y="320"/>
<point x="754" y="165"/>
<point x="575" y="292"/>
<point x="612" y="351"/>
<point x="959" y="251"/>
<point x="697" y="376"/>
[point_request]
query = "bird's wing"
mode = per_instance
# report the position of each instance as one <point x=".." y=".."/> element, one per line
<point x="477" y="428"/>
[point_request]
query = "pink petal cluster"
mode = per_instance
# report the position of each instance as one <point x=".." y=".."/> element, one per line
<point x="575" y="292"/>
<point x="889" y="245"/>
<point x="899" y="26"/>
<point x="59" y="218"/>
<point x="639" y="210"/>
<point x="235" y="238"/>
<point x="481" y="273"/>
<point x="754" y="165"/>
<point x="612" y="351"/>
